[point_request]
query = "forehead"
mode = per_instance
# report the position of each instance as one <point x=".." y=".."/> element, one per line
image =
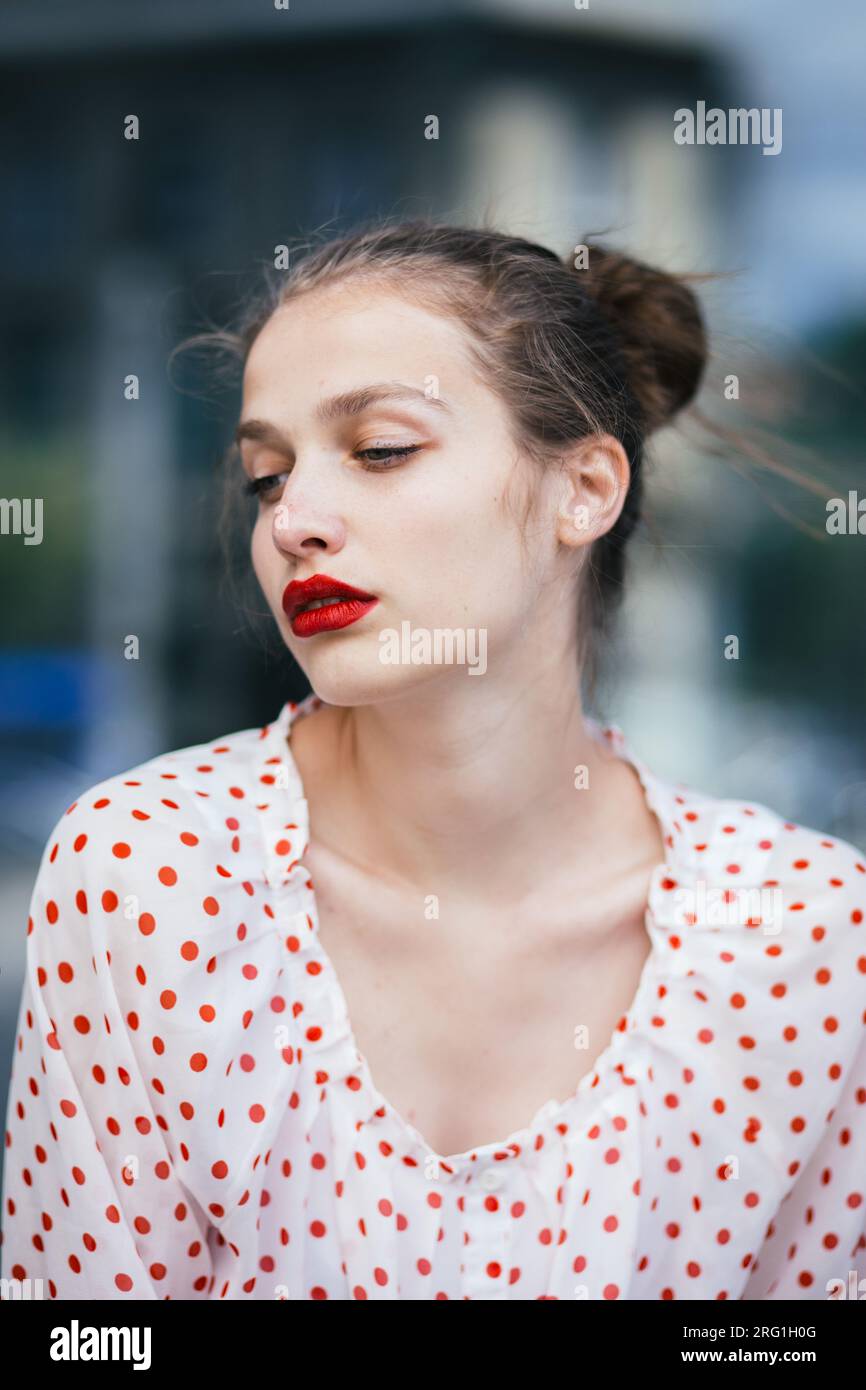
<point x="335" y="336"/>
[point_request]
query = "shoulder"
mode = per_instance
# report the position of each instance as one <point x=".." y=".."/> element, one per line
<point x="742" y="845"/>
<point x="730" y="853"/>
<point x="191" y="778"/>
<point x="773" y="914"/>
<point x="193" y="784"/>
<point x="181" y="829"/>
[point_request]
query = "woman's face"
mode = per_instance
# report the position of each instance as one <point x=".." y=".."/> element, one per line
<point x="383" y="463"/>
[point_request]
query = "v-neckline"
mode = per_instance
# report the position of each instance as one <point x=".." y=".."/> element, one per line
<point x="552" y="1112"/>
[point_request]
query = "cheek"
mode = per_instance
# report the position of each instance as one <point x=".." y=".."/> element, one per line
<point x="463" y="546"/>
<point x="465" y="500"/>
<point x="262" y="553"/>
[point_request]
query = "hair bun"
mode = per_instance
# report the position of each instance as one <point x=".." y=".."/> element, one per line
<point x="661" y="328"/>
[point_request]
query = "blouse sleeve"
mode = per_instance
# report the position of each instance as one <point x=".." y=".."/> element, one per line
<point x="92" y="1204"/>
<point x="815" y="1245"/>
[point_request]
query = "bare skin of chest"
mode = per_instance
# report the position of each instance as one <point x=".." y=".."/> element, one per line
<point x="471" y="1021"/>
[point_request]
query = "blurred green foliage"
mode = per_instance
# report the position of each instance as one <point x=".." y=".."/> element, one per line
<point x="45" y="586"/>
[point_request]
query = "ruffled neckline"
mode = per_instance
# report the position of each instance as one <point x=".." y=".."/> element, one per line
<point x="321" y="1006"/>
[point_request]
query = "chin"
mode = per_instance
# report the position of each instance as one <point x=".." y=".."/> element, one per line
<point x="346" y="674"/>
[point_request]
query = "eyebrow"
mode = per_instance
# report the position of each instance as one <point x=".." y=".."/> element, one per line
<point x="340" y="407"/>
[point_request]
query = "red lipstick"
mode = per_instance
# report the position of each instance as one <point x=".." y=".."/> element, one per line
<point x="347" y="607"/>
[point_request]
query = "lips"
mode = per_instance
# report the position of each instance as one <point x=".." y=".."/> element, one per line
<point x="347" y="604"/>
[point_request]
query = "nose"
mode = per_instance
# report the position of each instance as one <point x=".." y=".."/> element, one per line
<point x="301" y="525"/>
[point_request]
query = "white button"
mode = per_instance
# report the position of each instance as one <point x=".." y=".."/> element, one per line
<point x="491" y="1179"/>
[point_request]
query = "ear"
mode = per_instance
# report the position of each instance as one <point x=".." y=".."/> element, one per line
<point x="595" y="481"/>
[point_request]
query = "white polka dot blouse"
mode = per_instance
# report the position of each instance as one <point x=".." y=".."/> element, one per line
<point x="190" y="1117"/>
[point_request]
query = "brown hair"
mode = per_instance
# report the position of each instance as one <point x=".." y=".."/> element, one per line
<point x="597" y="342"/>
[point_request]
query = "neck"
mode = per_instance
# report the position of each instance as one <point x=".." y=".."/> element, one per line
<point x="463" y="784"/>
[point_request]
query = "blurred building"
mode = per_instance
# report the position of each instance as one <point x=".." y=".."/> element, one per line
<point x="258" y="124"/>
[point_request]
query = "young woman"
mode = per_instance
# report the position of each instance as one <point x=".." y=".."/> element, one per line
<point x="430" y="989"/>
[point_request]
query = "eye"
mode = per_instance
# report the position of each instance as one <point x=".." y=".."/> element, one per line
<point x="377" y="458"/>
<point x="267" y="484"/>
<point x="385" y="456"/>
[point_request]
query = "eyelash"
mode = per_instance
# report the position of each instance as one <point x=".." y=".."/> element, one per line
<point x="257" y="487"/>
